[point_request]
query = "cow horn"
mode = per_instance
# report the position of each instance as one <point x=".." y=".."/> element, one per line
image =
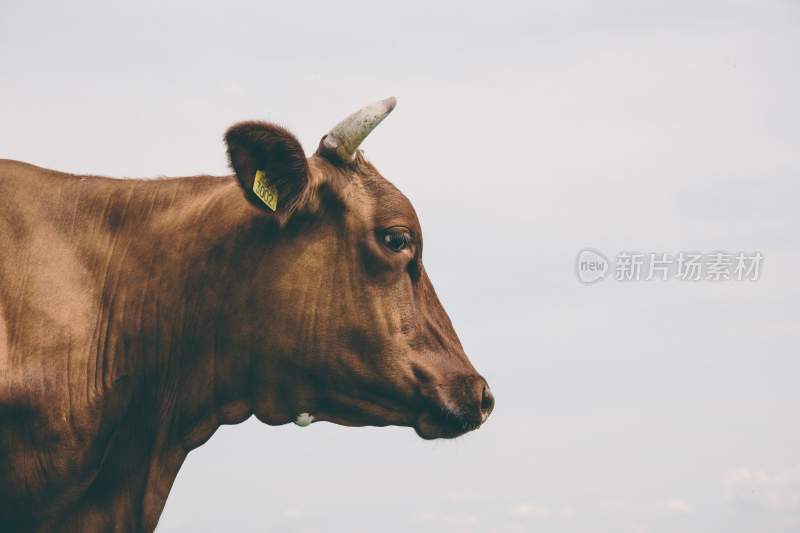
<point x="345" y="138"/>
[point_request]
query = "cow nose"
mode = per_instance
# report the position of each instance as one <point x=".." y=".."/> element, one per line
<point x="487" y="403"/>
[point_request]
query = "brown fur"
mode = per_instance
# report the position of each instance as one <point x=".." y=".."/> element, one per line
<point x="136" y="316"/>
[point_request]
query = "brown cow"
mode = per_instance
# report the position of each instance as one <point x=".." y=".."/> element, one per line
<point x="140" y="315"/>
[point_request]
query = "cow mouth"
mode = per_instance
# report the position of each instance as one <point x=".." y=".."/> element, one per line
<point x="436" y="423"/>
<point x="444" y="424"/>
<point x="431" y="419"/>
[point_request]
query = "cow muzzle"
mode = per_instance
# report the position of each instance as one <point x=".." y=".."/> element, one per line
<point x="455" y="407"/>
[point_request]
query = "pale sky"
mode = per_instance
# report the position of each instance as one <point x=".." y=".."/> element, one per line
<point x="524" y="132"/>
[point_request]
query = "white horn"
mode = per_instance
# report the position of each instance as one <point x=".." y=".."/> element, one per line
<point x="345" y="138"/>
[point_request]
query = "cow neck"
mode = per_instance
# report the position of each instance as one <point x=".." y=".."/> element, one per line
<point x="201" y="255"/>
<point x="174" y="257"/>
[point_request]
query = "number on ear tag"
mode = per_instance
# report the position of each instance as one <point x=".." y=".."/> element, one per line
<point x="265" y="190"/>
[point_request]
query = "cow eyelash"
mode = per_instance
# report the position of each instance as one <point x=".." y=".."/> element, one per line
<point x="397" y="239"/>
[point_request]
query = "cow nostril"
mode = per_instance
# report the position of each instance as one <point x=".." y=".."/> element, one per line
<point x="487" y="402"/>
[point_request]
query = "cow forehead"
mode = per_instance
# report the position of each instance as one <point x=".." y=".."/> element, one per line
<point x="364" y="190"/>
<point x="390" y="206"/>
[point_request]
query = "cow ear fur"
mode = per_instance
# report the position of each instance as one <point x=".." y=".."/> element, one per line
<point x="254" y="146"/>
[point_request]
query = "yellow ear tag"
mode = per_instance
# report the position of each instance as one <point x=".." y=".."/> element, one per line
<point x="265" y="190"/>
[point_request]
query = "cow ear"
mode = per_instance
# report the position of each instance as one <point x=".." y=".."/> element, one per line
<point x="270" y="165"/>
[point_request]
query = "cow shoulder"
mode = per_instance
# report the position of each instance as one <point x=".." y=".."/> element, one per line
<point x="59" y="408"/>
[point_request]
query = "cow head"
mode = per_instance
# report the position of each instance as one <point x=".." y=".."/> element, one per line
<point x="341" y="321"/>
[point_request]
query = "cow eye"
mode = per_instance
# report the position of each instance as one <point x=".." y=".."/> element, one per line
<point x="397" y="239"/>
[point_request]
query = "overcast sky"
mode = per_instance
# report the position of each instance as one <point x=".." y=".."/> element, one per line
<point x="524" y="132"/>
